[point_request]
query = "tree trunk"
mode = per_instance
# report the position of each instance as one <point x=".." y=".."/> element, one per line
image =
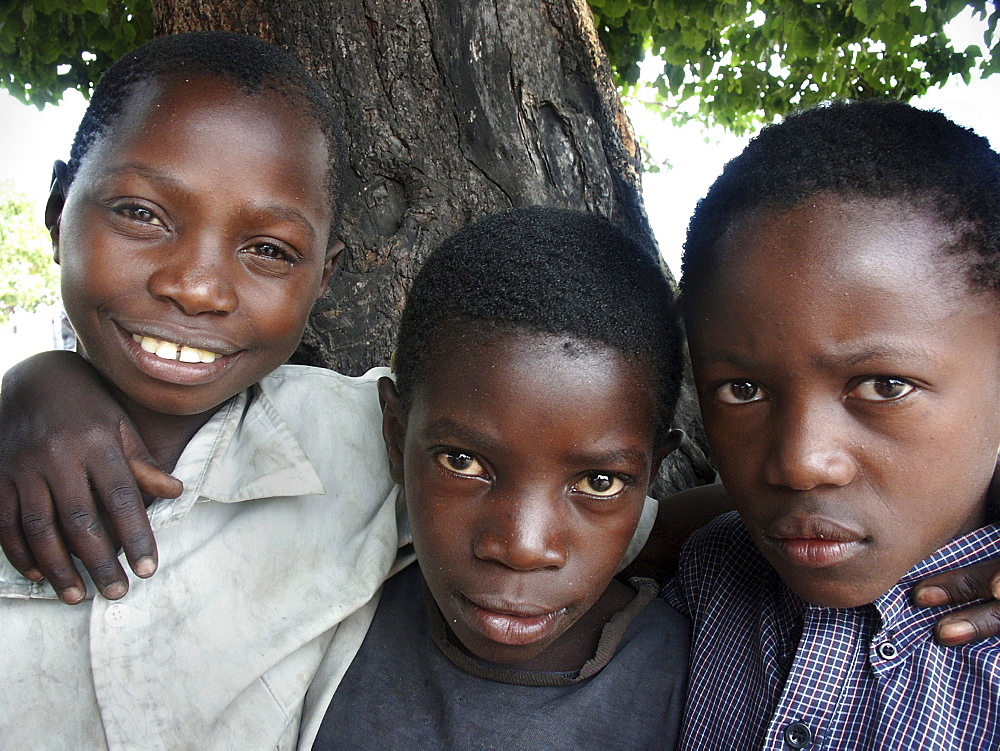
<point x="452" y="109"/>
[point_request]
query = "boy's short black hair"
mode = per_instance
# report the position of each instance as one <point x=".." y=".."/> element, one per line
<point x="874" y="149"/>
<point x="545" y="271"/>
<point x="248" y="63"/>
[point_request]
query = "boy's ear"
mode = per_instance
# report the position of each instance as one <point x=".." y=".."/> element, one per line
<point x="393" y="426"/>
<point x="54" y="206"/>
<point x="329" y="263"/>
<point x="670" y="442"/>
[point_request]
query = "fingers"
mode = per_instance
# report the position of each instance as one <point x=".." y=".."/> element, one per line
<point x="41" y="532"/>
<point x="88" y="533"/>
<point x="963" y="585"/>
<point x="152" y="480"/>
<point x="12" y="540"/>
<point x="968" y="625"/>
<point x="125" y="513"/>
<point x="958" y="586"/>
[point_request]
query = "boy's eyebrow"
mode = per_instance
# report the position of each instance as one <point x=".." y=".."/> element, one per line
<point x="279" y="212"/>
<point x="445" y="426"/>
<point x="616" y="457"/>
<point x="878" y="352"/>
<point x="852" y="355"/>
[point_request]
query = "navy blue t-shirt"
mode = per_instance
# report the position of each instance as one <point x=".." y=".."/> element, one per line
<point x="402" y="691"/>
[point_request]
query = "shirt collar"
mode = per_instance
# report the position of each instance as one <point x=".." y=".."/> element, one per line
<point x="895" y="607"/>
<point x="245" y="451"/>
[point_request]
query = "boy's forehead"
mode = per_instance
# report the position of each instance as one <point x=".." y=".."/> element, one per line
<point x="868" y="240"/>
<point x="184" y="129"/>
<point x="835" y="276"/>
<point x="489" y="372"/>
<point x="163" y="103"/>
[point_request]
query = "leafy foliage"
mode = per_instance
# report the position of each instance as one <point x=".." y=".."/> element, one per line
<point x="48" y="46"/>
<point x="28" y="276"/>
<point x="741" y="61"/>
<point x="745" y="61"/>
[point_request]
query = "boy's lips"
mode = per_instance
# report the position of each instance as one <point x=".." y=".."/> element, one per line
<point x="815" y="542"/>
<point x="508" y="622"/>
<point x="167" y="350"/>
<point x="176" y="359"/>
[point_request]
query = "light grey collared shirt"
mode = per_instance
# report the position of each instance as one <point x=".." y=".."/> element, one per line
<point x="287" y="525"/>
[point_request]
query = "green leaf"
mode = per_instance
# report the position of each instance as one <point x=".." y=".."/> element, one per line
<point x="866" y="11"/>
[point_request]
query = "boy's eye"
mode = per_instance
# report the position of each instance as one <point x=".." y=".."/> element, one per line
<point x="460" y="462"/>
<point x="601" y="484"/>
<point x="881" y="389"/>
<point x="139" y="214"/>
<point x="739" y="392"/>
<point x="270" y="250"/>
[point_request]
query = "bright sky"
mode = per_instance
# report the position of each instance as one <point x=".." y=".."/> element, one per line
<point x="33" y="139"/>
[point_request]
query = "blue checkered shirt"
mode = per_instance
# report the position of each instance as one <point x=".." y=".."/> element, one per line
<point x="769" y="671"/>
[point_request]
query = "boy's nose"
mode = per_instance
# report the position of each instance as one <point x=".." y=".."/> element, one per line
<point x="523" y="534"/>
<point x="195" y="280"/>
<point x="809" y="447"/>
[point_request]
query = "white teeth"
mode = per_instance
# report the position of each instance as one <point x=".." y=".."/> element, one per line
<point x="188" y="355"/>
<point x="172" y="351"/>
<point x="148" y="343"/>
<point x="166" y="350"/>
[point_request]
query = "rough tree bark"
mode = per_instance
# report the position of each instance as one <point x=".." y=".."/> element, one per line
<point x="452" y="109"/>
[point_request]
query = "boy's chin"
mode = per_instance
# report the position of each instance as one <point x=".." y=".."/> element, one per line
<point x="835" y="591"/>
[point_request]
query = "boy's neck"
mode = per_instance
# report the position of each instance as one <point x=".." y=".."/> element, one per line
<point x="165" y="436"/>
<point x="573" y="649"/>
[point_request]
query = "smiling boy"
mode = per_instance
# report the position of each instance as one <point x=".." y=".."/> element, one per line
<point x="841" y="300"/>
<point x="194" y="226"/>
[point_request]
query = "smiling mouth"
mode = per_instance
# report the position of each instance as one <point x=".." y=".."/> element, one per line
<point x="173" y="351"/>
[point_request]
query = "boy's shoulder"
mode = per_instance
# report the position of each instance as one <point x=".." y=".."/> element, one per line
<point x="307" y="397"/>
<point x="311" y="383"/>
<point x="724" y="543"/>
<point x="720" y="561"/>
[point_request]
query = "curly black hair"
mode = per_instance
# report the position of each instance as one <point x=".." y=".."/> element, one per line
<point x="870" y="149"/>
<point x="248" y="63"/>
<point x="545" y="271"/>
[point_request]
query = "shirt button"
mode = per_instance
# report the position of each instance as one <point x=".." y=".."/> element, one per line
<point x="116" y="616"/>
<point x="887" y="650"/>
<point x="797" y="735"/>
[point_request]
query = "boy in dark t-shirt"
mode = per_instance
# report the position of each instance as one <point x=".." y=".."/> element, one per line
<point x="538" y="366"/>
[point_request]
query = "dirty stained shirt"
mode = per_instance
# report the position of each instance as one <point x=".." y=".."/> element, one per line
<point x="287" y="525"/>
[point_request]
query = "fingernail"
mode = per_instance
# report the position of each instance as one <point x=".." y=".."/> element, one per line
<point x="956" y="631"/>
<point x="115" y="591"/>
<point x="35" y="575"/>
<point x="931" y="595"/>
<point x="71" y="595"/>
<point x="144" y="567"/>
